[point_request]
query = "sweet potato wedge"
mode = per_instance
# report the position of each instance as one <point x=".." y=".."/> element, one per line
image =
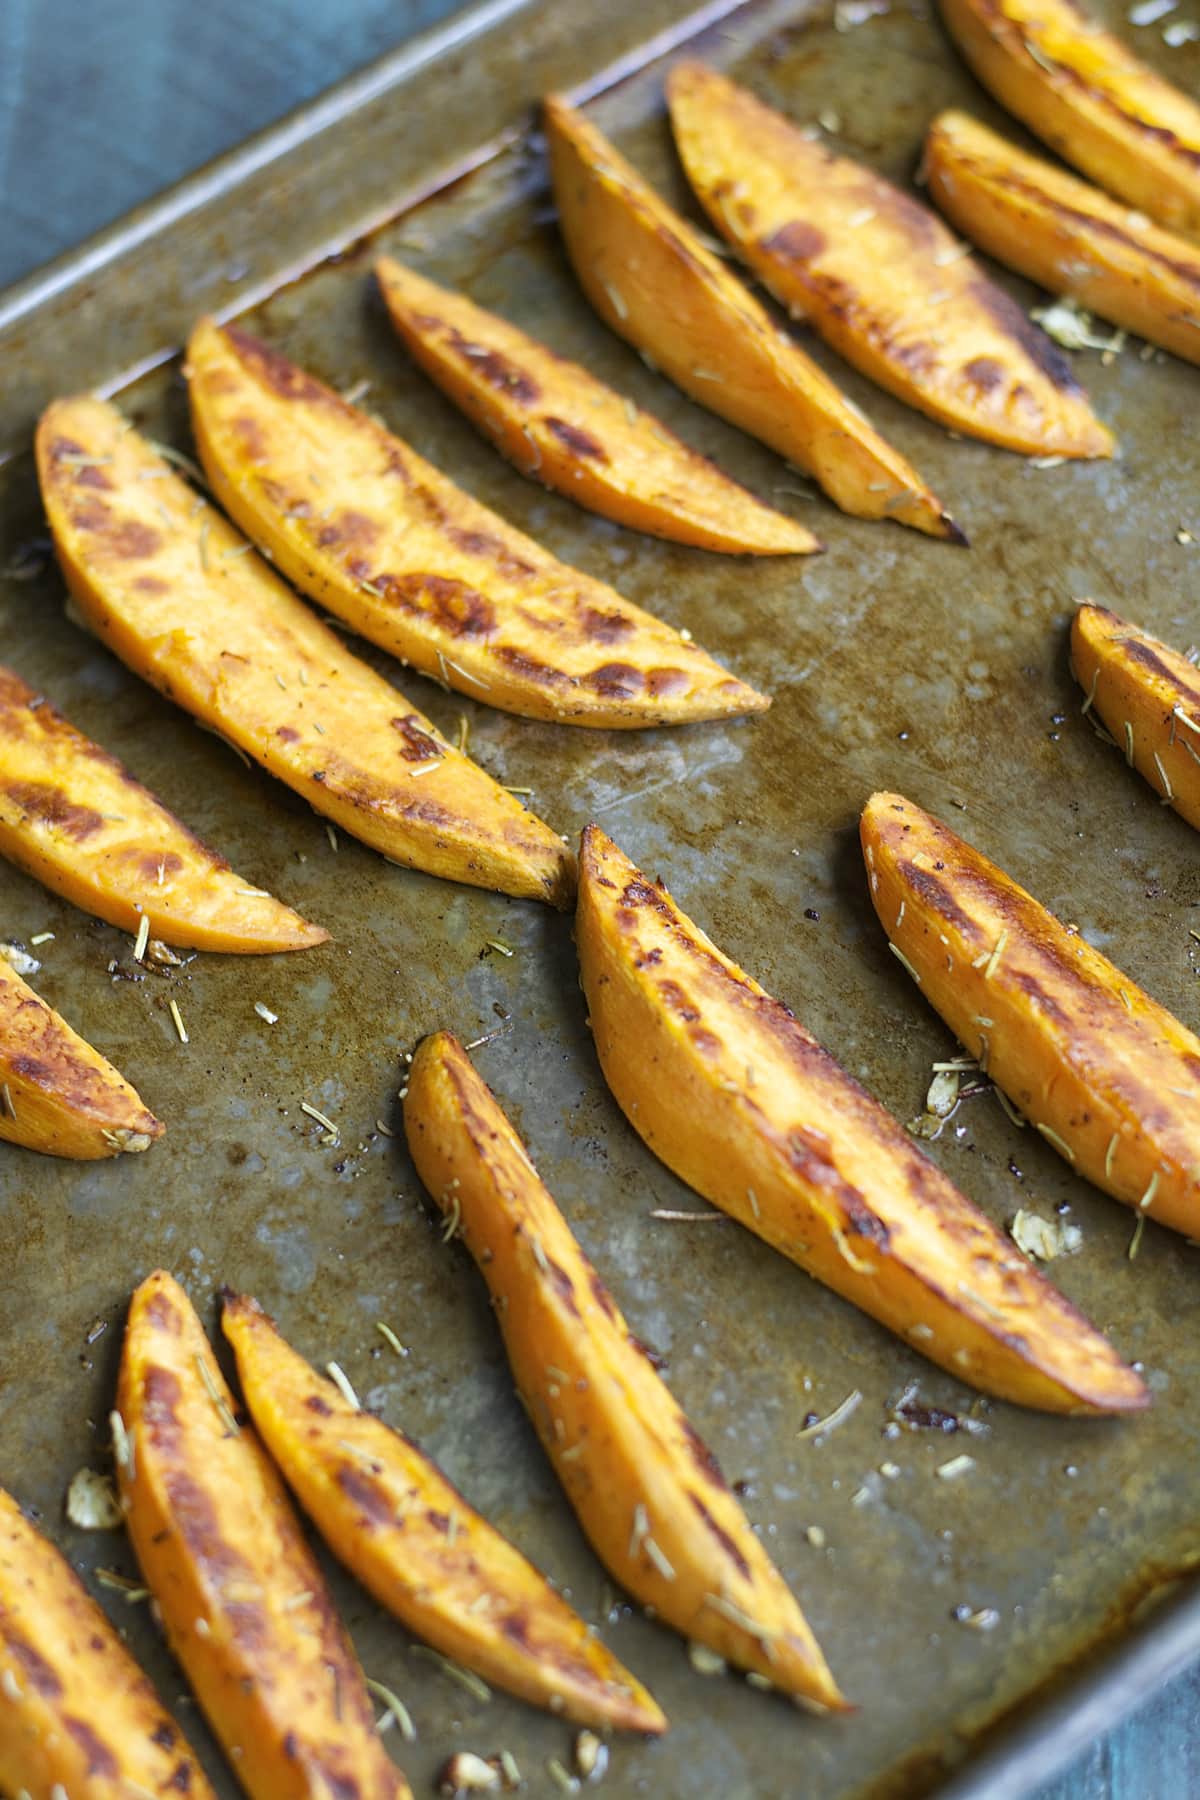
<point x="77" y="1716"/>
<point x="556" y="422"/>
<point x="57" y="1094"/>
<point x="1079" y="88"/>
<point x="647" y="1491"/>
<point x="74" y="817"/>
<point x="363" y="524"/>
<point x="1065" y="234"/>
<point x="1103" y="1072"/>
<point x="730" y="1090"/>
<point x="877" y="274"/>
<point x="1148" y="697"/>
<point x="426" y="1555"/>
<point x="243" y="1603"/>
<point x="654" y="281"/>
<point x="179" y="595"/>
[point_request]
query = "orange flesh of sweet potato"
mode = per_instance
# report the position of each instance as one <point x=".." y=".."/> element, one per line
<point x="1148" y="697"/>
<point x="243" y="1603"/>
<point x="1107" y="1076"/>
<point x="57" y="1094"/>
<point x="363" y="524"/>
<point x="392" y="1517"/>
<point x="1064" y="234"/>
<point x="877" y="274"/>
<point x="724" y="1084"/>
<point x="74" y="818"/>
<point x="1082" y="91"/>
<point x="178" y="594"/>
<point x="556" y="422"/>
<point x="645" y="1488"/>
<point x="655" y="282"/>
<point x="77" y="1716"/>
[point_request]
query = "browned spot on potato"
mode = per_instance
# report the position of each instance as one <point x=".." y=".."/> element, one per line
<point x="131" y="540"/>
<point x="287" y="734"/>
<point x="49" y="805"/>
<point x="667" y="681"/>
<point x="100" y="1759"/>
<point x="601" y="1296"/>
<point x="252" y="439"/>
<point x="702" y="1456"/>
<point x="315" y="1404"/>
<point x="516" y="1627"/>
<point x="985" y="372"/>
<point x="654" y="1357"/>
<point x="1036" y="345"/>
<point x="34" y="1069"/>
<point x="798" y="241"/>
<point x="440" y="1521"/>
<point x="419" y="747"/>
<point x="162" y="1315"/>
<point x="674" y="997"/>
<point x="1141" y="653"/>
<point x="168" y="863"/>
<point x="498" y="370"/>
<point x="181" y="1777"/>
<point x="529" y="667"/>
<point x="93" y="477"/>
<point x="723" y="1538"/>
<point x="605" y="627"/>
<point x="937" y="896"/>
<point x="579" y="443"/>
<point x="150" y="584"/>
<point x="91" y="514"/>
<point x="615" y="681"/>
<point x="706" y="1042"/>
<point x="564" y="1287"/>
<point x="276" y="372"/>
<point x="457" y="608"/>
<point x="198" y="1524"/>
<point x="38" y="1672"/>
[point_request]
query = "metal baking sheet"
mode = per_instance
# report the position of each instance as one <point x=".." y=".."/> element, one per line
<point x="893" y="661"/>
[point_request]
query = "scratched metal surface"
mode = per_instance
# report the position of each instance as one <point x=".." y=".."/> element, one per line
<point x="893" y="661"/>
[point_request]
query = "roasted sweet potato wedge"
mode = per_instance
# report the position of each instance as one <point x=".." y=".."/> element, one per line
<point x="392" y="1517"/>
<point x="730" y="1090"/>
<point x="877" y="274"/>
<point x="1064" y="234"/>
<point x="179" y="595"/>
<point x="77" y="1716"/>
<point x="556" y="422"/>
<point x="1079" y="88"/>
<point x="1107" y="1076"/>
<point x="363" y="524"/>
<point x="57" y="1094"/>
<point x="74" y="817"/>
<point x="1148" y="697"/>
<point x="647" y="1491"/>
<point x="243" y="1603"/>
<point x="654" y="281"/>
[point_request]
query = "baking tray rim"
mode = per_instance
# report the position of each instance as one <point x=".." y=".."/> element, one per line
<point x="1058" y="1720"/>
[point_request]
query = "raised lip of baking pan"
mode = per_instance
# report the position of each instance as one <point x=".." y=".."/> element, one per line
<point x="1035" y="1740"/>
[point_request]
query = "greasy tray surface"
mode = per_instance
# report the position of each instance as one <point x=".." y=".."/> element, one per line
<point x="894" y="661"/>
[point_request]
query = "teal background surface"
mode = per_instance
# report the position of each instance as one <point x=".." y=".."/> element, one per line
<point x="101" y="106"/>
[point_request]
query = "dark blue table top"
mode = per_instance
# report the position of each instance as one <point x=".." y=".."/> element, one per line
<point x="100" y="106"/>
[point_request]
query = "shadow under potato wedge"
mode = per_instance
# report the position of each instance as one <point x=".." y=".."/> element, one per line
<point x="1148" y="698"/>
<point x="77" y="1715"/>
<point x="1107" y="1076"/>
<point x="727" y="1087"/>
<point x="74" y="818"/>
<point x="876" y="274"/>
<point x="1064" y="234"/>
<point x="168" y="584"/>
<point x="387" y="1511"/>
<point x="559" y="425"/>
<point x="1083" y="92"/>
<point x="243" y="1603"/>
<point x="654" y="281"/>
<point x="57" y="1094"/>
<point x="371" y="530"/>
<point x="645" y="1487"/>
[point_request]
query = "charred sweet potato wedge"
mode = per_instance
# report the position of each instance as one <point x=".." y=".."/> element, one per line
<point x="1148" y="698"/>
<point x="426" y="1555"/>
<point x="74" y="818"/>
<point x="1065" y="234"/>
<point x="77" y="1716"/>
<point x="876" y="274"/>
<point x="163" y="579"/>
<point x="1081" y="90"/>
<point x="367" y="527"/>
<point x="557" y="423"/>
<point x="243" y="1603"/>
<point x="654" y="281"/>
<point x="730" y="1090"/>
<point x="1103" y="1072"/>
<point x="57" y="1094"/>
<point x="647" y="1491"/>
